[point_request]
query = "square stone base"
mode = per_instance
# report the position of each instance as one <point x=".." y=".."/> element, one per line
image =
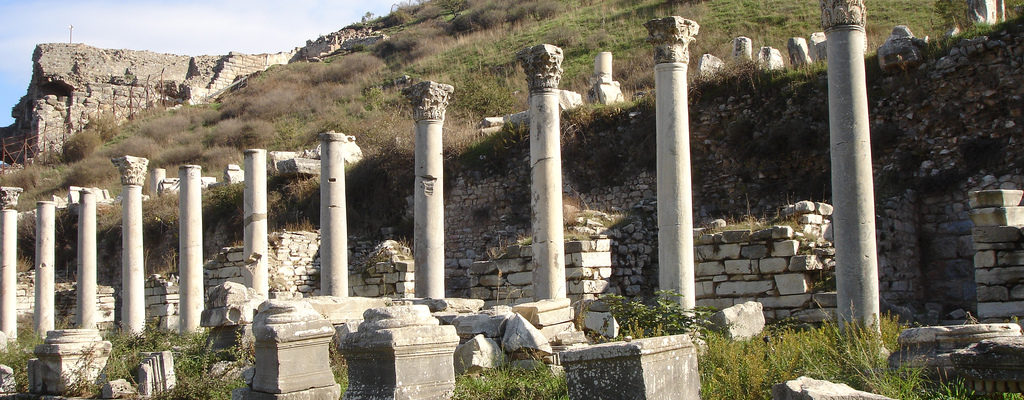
<point x="324" y="393"/>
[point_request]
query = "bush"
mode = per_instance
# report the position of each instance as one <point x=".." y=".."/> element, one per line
<point x="662" y="317"/>
<point x="349" y="69"/>
<point x="241" y="134"/>
<point x="163" y="129"/>
<point x="90" y="172"/>
<point x="482" y="95"/>
<point x="81" y="145"/>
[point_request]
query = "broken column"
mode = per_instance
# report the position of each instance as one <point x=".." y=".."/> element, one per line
<point x="155" y="373"/>
<point x="671" y="38"/>
<point x="400" y="352"/>
<point x="543" y="67"/>
<point x="799" y="54"/>
<point x="133" y="263"/>
<point x="603" y="87"/>
<point x="986" y="11"/>
<point x="333" y="221"/>
<point x="190" y="247"/>
<point x="662" y="367"/>
<point x="45" y="239"/>
<point x="86" y="293"/>
<point x="255" y="208"/>
<point x="65" y="359"/>
<point x="9" y="261"/>
<point x="156" y="176"/>
<point x="853" y="221"/>
<point x="292" y="347"/>
<point x="232" y="308"/>
<point x="429" y="100"/>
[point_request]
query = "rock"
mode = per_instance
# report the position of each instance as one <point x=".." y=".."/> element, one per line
<point x="742" y="48"/>
<point x="770" y="58"/>
<point x="231" y="304"/>
<point x="568" y="99"/>
<point x="901" y="51"/>
<point x="490" y="323"/>
<point x="545" y="312"/>
<point x="653" y="368"/>
<point x="740" y="322"/>
<point x="299" y="166"/>
<point x="799" y="55"/>
<point x="994" y="198"/>
<point x="805" y="388"/>
<point x="118" y="389"/>
<point x="819" y="46"/>
<point x="995" y="363"/>
<point x="477" y="354"/>
<point x="986" y="11"/>
<point x="233" y="174"/>
<point x="521" y="336"/>
<point x="606" y="93"/>
<point x="709" y="65"/>
<point x="603" y="323"/>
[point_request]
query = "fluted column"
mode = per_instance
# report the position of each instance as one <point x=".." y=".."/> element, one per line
<point x="45" y="228"/>
<point x="543" y="67"/>
<point x="671" y="38"/>
<point x="255" y="204"/>
<point x="9" y="261"/>
<point x="190" y="247"/>
<point x="853" y="222"/>
<point x="333" y="221"/>
<point x="86" y="306"/>
<point x="133" y="263"/>
<point x="429" y="101"/>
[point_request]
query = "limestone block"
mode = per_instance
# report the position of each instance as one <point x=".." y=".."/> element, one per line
<point x="995" y="234"/>
<point x="717" y="253"/>
<point x="568" y="99"/>
<point x="791" y="301"/>
<point x="231" y="304"/>
<point x="792" y="284"/>
<point x="805" y="388"/>
<point x="901" y="50"/>
<point x="740" y="322"/>
<point x="709" y="65"/>
<point x="1000" y="309"/>
<point x="606" y="93"/>
<point x="772" y="265"/>
<point x="299" y="166"/>
<point x="737" y="267"/>
<point x="752" y="288"/>
<point x="603" y="323"/>
<point x="659" y="368"/>
<point x="992" y="360"/>
<point x="770" y="58"/>
<point x="804" y="263"/>
<point x="588" y="286"/>
<point x="490" y="323"/>
<point x="478" y="354"/>
<point x="233" y="174"/>
<point x="930" y="347"/>
<point x="742" y="48"/>
<point x="819" y="51"/>
<point x="799" y="55"/>
<point x="521" y="336"/>
<point x="292" y="341"/>
<point x="451" y="304"/>
<point x="118" y="389"/>
<point x="592" y="259"/>
<point x="552" y="332"/>
<point x="754" y="251"/>
<point x="545" y="312"/>
<point x="155" y="373"/>
<point x="998" y="216"/>
<point x="994" y="198"/>
<point x="999" y="276"/>
<point x="67" y="357"/>
<point x="785" y="248"/>
<point x="812" y="219"/>
<point x="343" y="309"/>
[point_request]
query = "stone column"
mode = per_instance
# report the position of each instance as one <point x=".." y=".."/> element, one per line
<point x="543" y="67"/>
<point x="45" y="239"/>
<point x="671" y="38"/>
<point x="86" y="305"/>
<point x="853" y="221"/>
<point x="256" y="221"/>
<point x="190" y="247"/>
<point x="133" y="263"/>
<point x="9" y="261"/>
<point x="429" y="100"/>
<point x="333" y="221"/>
<point x="156" y="175"/>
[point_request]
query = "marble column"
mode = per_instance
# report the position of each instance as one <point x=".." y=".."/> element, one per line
<point x="190" y="247"/>
<point x="156" y="175"/>
<point x="45" y="242"/>
<point x="333" y="221"/>
<point x="86" y="305"/>
<point x="255" y="204"/>
<point x="429" y="101"/>
<point x="853" y="221"/>
<point x="9" y="261"/>
<point x="543" y="67"/>
<point x="671" y="38"/>
<point x="133" y="263"/>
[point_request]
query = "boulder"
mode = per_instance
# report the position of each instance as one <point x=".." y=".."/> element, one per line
<point x="901" y="51"/>
<point x="805" y="388"/>
<point x="521" y="336"/>
<point x="478" y="354"/>
<point x="740" y="322"/>
<point x="742" y="48"/>
<point x="819" y="46"/>
<point x="770" y="58"/>
<point x="799" y="54"/>
<point x="709" y="65"/>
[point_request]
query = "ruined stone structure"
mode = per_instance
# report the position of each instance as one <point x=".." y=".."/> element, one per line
<point x="999" y="258"/>
<point x="347" y="39"/>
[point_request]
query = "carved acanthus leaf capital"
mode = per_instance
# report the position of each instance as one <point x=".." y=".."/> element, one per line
<point x="429" y="99"/>
<point x="543" y="66"/>
<point x="133" y="169"/>
<point x="671" y="38"/>
<point x="9" y="197"/>
<point x="835" y="13"/>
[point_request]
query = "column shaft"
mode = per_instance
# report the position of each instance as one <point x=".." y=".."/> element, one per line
<point x="428" y="246"/>
<point x="256" y="219"/>
<point x="190" y="247"/>
<point x="156" y="175"/>
<point x="546" y="187"/>
<point x="133" y="263"/>
<point x="9" y="273"/>
<point x="86" y="306"/>
<point x="45" y="239"/>
<point x="333" y="221"/>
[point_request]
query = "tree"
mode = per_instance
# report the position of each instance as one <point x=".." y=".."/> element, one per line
<point x="453" y="7"/>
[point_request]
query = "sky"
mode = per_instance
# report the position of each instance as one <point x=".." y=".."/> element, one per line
<point x="187" y="27"/>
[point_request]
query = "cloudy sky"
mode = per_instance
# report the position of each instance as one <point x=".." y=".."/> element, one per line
<point x="191" y="27"/>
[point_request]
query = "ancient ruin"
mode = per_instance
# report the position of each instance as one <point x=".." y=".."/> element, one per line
<point x="8" y="260"/>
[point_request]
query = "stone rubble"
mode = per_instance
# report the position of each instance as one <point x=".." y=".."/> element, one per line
<point x="992" y="365"/>
<point x="806" y="388"/>
<point x="742" y="321"/>
<point x="901" y="51"/>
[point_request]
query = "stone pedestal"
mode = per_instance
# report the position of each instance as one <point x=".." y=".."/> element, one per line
<point x="45" y="236"/>
<point x="255" y="208"/>
<point x="333" y="221"/>
<point x="671" y="38"/>
<point x="992" y="365"/>
<point x="743" y="48"/>
<point x="9" y="261"/>
<point x="86" y="306"/>
<point x="852" y="183"/>
<point x="65" y="358"/>
<point x="292" y="347"/>
<point x="190" y="246"/>
<point x="400" y="353"/>
<point x="232" y="308"/>
<point x="543" y="67"/>
<point x="654" y="368"/>
<point x="156" y="176"/>
<point x="429" y="100"/>
<point x="133" y="263"/>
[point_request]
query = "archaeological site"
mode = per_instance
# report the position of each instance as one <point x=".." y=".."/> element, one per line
<point x="531" y="199"/>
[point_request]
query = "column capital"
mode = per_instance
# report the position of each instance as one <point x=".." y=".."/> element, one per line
<point x="543" y="66"/>
<point x="9" y="197"/>
<point x="837" y="13"/>
<point x="429" y="100"/>
<point x="133" y="169"/>
<point x="671" y="38"/>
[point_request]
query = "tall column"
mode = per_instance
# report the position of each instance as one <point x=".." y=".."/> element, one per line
<point x="429" y="101"/>
<point x="671" y="38"/>
<point x="156" y="175"/>
<point x="9" y="261"/>
<point x="543" y="67"/>
<point x="190" y="246"/>
<point x="86" y="305"/>
<point x="853" y="221"/>
<point x="255" y="204"/>
<point x="133" y="263"/>
<point x="333" y="221"/>
<point x="45" y="242"/>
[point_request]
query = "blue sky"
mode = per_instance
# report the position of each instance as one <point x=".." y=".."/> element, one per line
<point x="190" y="27"/>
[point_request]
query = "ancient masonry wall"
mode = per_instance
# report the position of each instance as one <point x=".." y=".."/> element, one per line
<point x="65" y="299"/>
<point x="999" y="259"/>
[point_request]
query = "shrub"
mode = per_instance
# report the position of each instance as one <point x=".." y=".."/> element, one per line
<point x="81" y="145"/>
<point x="241" y="134"/>
<point x="662" y="317"/>
<point x="163" y="129"/>
<point x="396" y="18"/>
<point x="482" y="95"/>
<point x="350" y="68"/>
<point x="90" y="172"/>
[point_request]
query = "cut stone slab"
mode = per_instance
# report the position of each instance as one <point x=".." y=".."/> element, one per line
<point x="603" y="323"/>
<point x="478" y="354"/>
<point x="659" y="368"/>
<point x="445" y="305"/>
<point x="930" y="347"/>
<point x="155" y="373"/>
<point x="521" y="336"/>
<point x="490" y="323"/>
<point x="545" y="312"/>
<point x="299" y="166"/>
<point x="995" y="198"/>
<point x="993" y="365"/>
<point x="770" y="58"/>
<point x="740" y="322"/>
<point x="998" y="216"/>
<point x="340" y="310"/>
<point x="805" y="388"/>
<point x="118" y="389"/>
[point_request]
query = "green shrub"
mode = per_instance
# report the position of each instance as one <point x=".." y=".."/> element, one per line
<point x="81" y="145"/>
<point x="662" y="317"/>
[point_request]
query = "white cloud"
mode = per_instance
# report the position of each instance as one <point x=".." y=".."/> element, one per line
<point x="191" y="27"/>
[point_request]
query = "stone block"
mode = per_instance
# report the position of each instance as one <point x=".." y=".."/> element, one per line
<point x="814" y="219"/>
<point x="118" y="389"/>
<point x="67" y="357"/>
<point x="992" y="365"/>
<point x="738" y="267"/>
<point x="994" y="198"/>
<point x="490" y="323"/>
<point x="772" y="265"/>
<point x="998" y="216"/>
<point x="1006" y="309"/>
<point x="785" y="248"/>
<point x="343" y="309"/>
<point x="552" y="331"/>
<point x="791" y="301"/>
<point x="595" y="259"/>
<point x="299" y="166"/>
<point x="588" y="286"/>
<point x="805" y="388"/>
<point x="518" y="278"/>
<point x="710" y="268"/>
<point x="985" y="259"/>
<point x="992" y="293"/>
<point x="805" y="263"/>
<point x="155" y="373"/>
<point x="545" y="312"/>
<point x="603" y="323"/>
<point x="658" y="368"/>
<point x="754" y="251"/>
<point x="995" y="234"/>
<point x="736" y="236"/>
<point x="999" y="276"/>
<point x="292" y="346"/>
<point x="782" y="232"/>
<point x="826" y="300"/>
<point x="740" y="322"/>
<point x="752" y="288"/>
<point x="478" y="354"/>
<point x="792" y="284"/>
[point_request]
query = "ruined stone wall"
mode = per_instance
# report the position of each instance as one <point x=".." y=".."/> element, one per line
<point x="343" y="40"/>
<point x="65" y="298"/>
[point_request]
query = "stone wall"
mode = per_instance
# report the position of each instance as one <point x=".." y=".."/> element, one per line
<point x="65" y="298"/>
<point x="162" y="301"/>
<point x="294" y="263"/>
<point x="347" y="39"/>
<point x="999" y="259"/>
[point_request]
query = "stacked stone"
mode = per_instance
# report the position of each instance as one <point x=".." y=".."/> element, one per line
<point x="551" y="317"/>
<point x="231" y="308"/>
<point x="226" y="266"/>
<point x="588" y="266"/>
<point x="66" y="304"/>
<point x="162" y="301"/>
<point x="999" y="262"/>
<point x="392" y="277"/>
<point x="291" y="262"/>
<point x="26" y="299"/>
<point x="813" y="219"/>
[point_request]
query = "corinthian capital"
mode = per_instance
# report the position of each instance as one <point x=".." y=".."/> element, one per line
<point x="836" y="13"/>
<point x="543" y="66"/>
<point x="9" y="197"/>
<point x="133" y="169"/>
<point x="429" y="99"/>
<point x="671" y="37"/>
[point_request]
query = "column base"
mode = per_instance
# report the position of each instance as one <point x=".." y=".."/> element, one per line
<point x="322" y="393"/>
